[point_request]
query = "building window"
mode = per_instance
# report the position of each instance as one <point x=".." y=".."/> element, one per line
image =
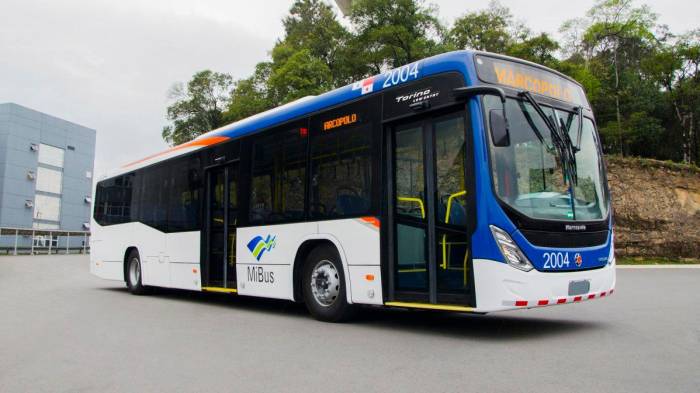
<point x="49" y="180"/>
<point x="50" y="155"/>
<point x="47" y="208"/>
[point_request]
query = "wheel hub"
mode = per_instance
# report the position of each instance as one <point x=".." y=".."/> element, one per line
<point x="325" y="283"/>
<point x="134" y="272"/>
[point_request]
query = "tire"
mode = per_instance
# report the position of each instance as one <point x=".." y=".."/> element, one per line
<point x="323" y="286"/>
<point x="133" y="274"/>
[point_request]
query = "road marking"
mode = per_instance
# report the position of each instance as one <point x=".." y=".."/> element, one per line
<point x="693" y="266"/>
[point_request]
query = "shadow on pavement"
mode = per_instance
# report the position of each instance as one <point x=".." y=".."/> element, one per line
<point x="498" y="327"/>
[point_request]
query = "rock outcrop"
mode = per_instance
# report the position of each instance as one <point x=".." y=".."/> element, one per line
<point x="657" y="208"/>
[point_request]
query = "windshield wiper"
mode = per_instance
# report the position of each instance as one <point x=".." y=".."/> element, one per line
<point x="560" y="138"/>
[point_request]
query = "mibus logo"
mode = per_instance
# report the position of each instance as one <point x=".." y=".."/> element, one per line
<point x="258" y="245"/>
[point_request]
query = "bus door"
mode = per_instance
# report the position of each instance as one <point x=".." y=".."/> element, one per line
<point x="222" y="214"/>
<point x="430" y="191"/>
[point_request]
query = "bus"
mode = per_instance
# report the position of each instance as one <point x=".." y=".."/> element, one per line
<point x="468" y="182"/>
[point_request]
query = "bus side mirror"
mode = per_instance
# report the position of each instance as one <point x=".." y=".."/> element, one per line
<point x="499" y="128"/>
<point x="497" y="117"/>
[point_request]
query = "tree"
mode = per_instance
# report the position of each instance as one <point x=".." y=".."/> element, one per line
<point x="312" y="25"/>
<point x="250" y="96"/>
<point x="395" y="32"/>
<point x="487" y="30"/>
<point x="539" y="49"/>
<point x="198" y="107"/>
<point x="676" y="68"/>
<point x="300" y="75"/>
<point x="619" y="34"/>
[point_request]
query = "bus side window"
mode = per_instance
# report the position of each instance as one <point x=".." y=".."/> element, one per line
<point x="341" y="172"/>
<point x="279" y="176"/>
<point x="154" y="197"/>
<point x="186" y="188"/>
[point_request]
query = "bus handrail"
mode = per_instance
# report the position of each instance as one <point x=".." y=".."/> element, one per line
<point x="416" y="200"/>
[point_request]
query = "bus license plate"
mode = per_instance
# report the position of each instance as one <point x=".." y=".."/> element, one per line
<point x="579" y="287"/>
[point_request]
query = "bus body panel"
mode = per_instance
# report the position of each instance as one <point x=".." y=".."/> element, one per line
<point x="265" y="257"/>
<point x="183" y="252"/>
<point x="358" y="240"/>
<point x="501" y="287"/>
<point x="167" y="259"/>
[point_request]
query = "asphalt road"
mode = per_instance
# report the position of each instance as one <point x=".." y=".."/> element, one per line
<point x="62" y="330"/>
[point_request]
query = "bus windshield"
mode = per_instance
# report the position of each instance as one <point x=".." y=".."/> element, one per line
<point x="528" y="173"/>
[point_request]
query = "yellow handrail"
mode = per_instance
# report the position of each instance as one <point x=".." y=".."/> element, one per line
<point x="416" y="200"/>
<point x="449" y="203"/>
<point x="458" y="194"/>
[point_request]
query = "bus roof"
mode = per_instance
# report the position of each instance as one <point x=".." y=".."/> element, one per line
<point x="460" y="61"/>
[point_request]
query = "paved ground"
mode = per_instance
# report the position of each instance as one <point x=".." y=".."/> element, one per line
<point x="62" y="330"/>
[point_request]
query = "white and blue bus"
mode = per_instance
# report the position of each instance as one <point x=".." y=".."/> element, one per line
<point x="467" y="182"/>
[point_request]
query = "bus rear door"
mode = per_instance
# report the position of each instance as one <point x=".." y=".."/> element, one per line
<point x="219" y="270"/>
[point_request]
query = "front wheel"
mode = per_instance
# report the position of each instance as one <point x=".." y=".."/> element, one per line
<point x="324" y="286"/>
<point x="133" y="274"/>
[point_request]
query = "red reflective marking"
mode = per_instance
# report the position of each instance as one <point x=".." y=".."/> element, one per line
<point x="520" y="303"/>
<point x="591" y="296"/>
<point x="578" y="298"/>
<point x="561" y="301"/>
<point x="602" y="294"/>
<point x="543" y="302"/>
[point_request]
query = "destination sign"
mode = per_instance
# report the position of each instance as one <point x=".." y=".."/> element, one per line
<point x="524" y="77"/>
<point x="340" y="121"/>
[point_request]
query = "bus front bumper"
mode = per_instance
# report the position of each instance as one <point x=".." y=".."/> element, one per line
<point x="501" y="287"/>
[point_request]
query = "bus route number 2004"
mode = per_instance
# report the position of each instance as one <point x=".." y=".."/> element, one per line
<point x="401" y="75"/>
<point x="555" y="260"/>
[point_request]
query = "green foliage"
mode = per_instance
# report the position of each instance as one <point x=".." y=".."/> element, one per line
<point x="250" y="96"/>
<point x="539" y="49"/>
<point x="487" y="30"/>
<point x="300" y="75"/>
<point x="197" y="107"/>
<point x="395" y="32"/>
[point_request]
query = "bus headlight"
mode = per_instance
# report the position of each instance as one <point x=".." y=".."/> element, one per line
<point x="511" y="252"/>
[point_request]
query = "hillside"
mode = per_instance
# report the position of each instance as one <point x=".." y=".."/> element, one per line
<point x="657" y="208"/>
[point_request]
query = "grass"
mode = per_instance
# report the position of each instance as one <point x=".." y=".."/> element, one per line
<point x="656" y="261"/>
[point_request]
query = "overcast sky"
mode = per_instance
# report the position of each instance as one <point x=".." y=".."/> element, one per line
<point x="109" y="64"/>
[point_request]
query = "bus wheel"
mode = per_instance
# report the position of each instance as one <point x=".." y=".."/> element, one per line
<point x="323" y="285"/>
<point x="133" y="274"/>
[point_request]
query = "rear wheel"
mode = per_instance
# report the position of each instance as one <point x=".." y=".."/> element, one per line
<point x="133" y="274"/>
<point x="323" y="285"/>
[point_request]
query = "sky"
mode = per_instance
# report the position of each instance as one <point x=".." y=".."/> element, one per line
<point x="108" y="65"/>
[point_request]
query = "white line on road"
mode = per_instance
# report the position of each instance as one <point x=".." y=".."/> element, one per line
<point x="659" y="266"/>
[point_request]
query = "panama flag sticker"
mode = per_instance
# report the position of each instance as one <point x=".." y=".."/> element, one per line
<point x="367" y="85"/>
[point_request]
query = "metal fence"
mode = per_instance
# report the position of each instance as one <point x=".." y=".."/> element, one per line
<point x="16" y="241"/>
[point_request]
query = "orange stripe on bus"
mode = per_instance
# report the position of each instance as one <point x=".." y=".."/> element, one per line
<point x="371" y="220"/>
<point x="209" y="141"/>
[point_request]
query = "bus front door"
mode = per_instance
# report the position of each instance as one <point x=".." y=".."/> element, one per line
<point x="429" y="197"/>
<point x="222" y="210"/>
